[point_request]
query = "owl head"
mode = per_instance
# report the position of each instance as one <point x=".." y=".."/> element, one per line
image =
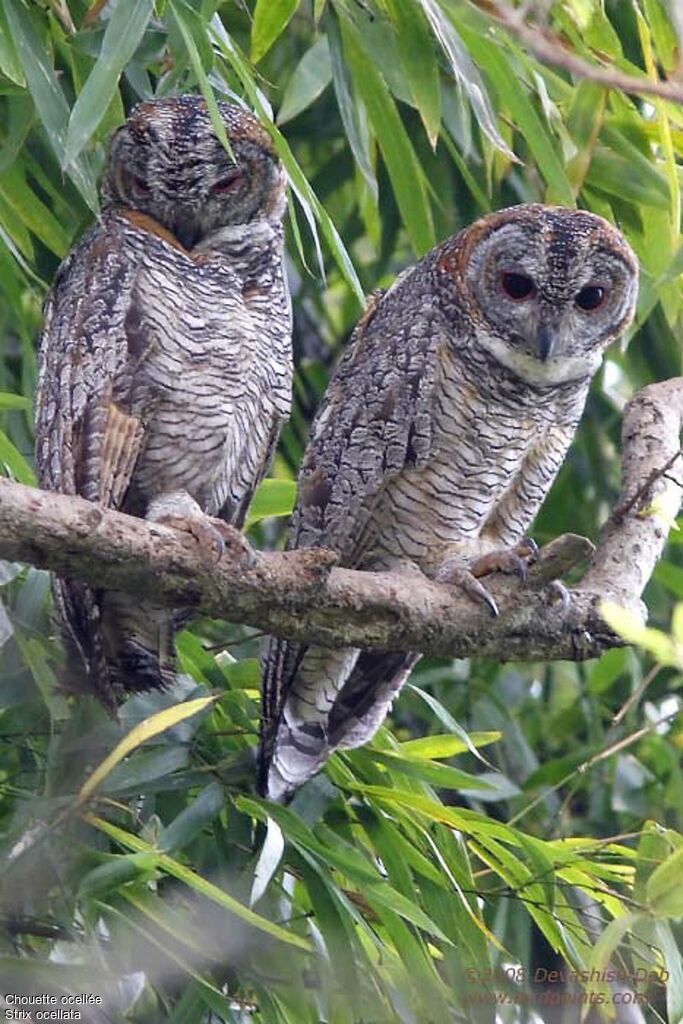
<point x="544" y="288"/>
<point x="166" y="161"/>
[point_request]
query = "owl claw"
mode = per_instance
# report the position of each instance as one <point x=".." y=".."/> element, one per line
<point x="527" y="549"/>
<point x="233" y="543"/>
<point x="454" y="575"/>
<point x="214" y="537"/>
<point x="558" y="594"/>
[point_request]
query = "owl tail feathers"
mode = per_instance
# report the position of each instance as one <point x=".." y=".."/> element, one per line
<point x="296" y="748"/>
<point x="300" y="751"/>
<point x="114" y="644"/>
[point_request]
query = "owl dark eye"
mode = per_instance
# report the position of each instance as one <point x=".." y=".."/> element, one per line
<point x="590" y="297"/>
<point x="227" y="184"/>
<point x="141" y="186"/>
<point x="517" y="286"/>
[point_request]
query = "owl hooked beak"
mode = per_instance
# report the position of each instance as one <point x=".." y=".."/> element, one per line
<point x="186" y="230"/>
<point x="546" y="337"/>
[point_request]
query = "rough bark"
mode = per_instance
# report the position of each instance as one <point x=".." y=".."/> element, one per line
<point x="302" y="595"/>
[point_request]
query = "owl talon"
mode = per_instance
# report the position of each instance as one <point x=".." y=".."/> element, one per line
<point x="558" y="594"/>
<point x="527" y="550"/>
<point x="202" y="528"/>
<point x="234" y="543"/>
<point x="455" y="576"/>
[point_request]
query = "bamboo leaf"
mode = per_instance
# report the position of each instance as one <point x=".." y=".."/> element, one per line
<point x="419" y="63"/>
<point x="313" y="210"/>
<point x="34" y="214"/>
<point x="273" y="497"/>
<point x="664" y="891"/>
<point x="196" y="882"/>
<point x="446" y="746"/>
<point x="15" y="464"/>
<point x="9" y="401"/>
<point x="466" y="74"/>
<point x="271" y="17"/>
<point x="47" y="94"/>
<point x="352" y="110"/>
<point x="186" y="20"/>
<point x="514" y="98"/>
<point x="151" y="727"/>
<point x="121" y="39"/>
<point x="405" y="172"/>
<point x="268" y="861"/>
<point x="309" y="79"/>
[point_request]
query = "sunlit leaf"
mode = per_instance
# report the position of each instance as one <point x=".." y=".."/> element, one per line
<point x="270" y="20"/>
<point x="272" y="498"/>
<point x="151" y="727"/>
<point x="664" y="891"/>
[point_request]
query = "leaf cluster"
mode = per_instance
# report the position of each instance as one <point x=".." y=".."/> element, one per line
<point x="507" y="819"/>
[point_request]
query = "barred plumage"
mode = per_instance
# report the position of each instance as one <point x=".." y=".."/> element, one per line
<point x="165" y="359"/>
<point x="437" y="441"/>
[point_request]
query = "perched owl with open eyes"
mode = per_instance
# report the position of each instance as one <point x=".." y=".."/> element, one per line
<point x="165" y="362"/>
<point x="437" y="441"/>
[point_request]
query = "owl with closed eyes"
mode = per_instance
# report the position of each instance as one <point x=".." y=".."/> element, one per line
<point x="437" y="441"/>
<point x="165" y="362"/>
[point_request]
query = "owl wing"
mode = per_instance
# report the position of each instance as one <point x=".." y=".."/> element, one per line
<point x="375" y="421"/>
<point x="87" y="441"/>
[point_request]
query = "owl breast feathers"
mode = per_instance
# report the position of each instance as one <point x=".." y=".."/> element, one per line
<point x="165" y="360"/>
<point x="437" y="441"/>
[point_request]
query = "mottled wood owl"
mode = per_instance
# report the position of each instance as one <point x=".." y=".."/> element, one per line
<point x="438" y="438"/>
<point x="165" y="361"/>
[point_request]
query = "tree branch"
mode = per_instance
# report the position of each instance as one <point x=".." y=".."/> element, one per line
<point x="549" y="50"/>
<point x="302" y="595"/>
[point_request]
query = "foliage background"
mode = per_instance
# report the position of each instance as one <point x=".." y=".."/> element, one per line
<point x="505" y="822"/>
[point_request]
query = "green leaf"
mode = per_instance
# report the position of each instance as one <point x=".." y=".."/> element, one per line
<point x="437" y="774"/>
<point x="447" y="720"/>
<point x="619" y="176"/>
<point x="268" y="861"/>
<point x="117" y="872"/>
<point x="446" y="746"/>
<point x="664" y="889"/>
<point x="196" y="882"/>
<point x="405" y="171"/>
<point x="584" y="122"/>
<point x="273" y="497"/>
<point x="630" y="627"/>
<point x="10" y="65"/>
<point x="192" y="819"/>
<point x="513" y="97"/>
<point x="47" y="94"/>
<point x="419" y="63"/>
<point x="121" y="39"/>
<point x="313" y="210"/>
<point x="466" y="74"/>
<point x="673" y="964"/>
<point x="34" y="214"/>
<point x="192" y="30"/>
<point x="14" y="462"/>
<point x="309" y="79"/>
<point x="10" y="401"/>
<point x="151" y="726"/>
<point x="271" y="17"/>
<point x="352" y="110"/>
